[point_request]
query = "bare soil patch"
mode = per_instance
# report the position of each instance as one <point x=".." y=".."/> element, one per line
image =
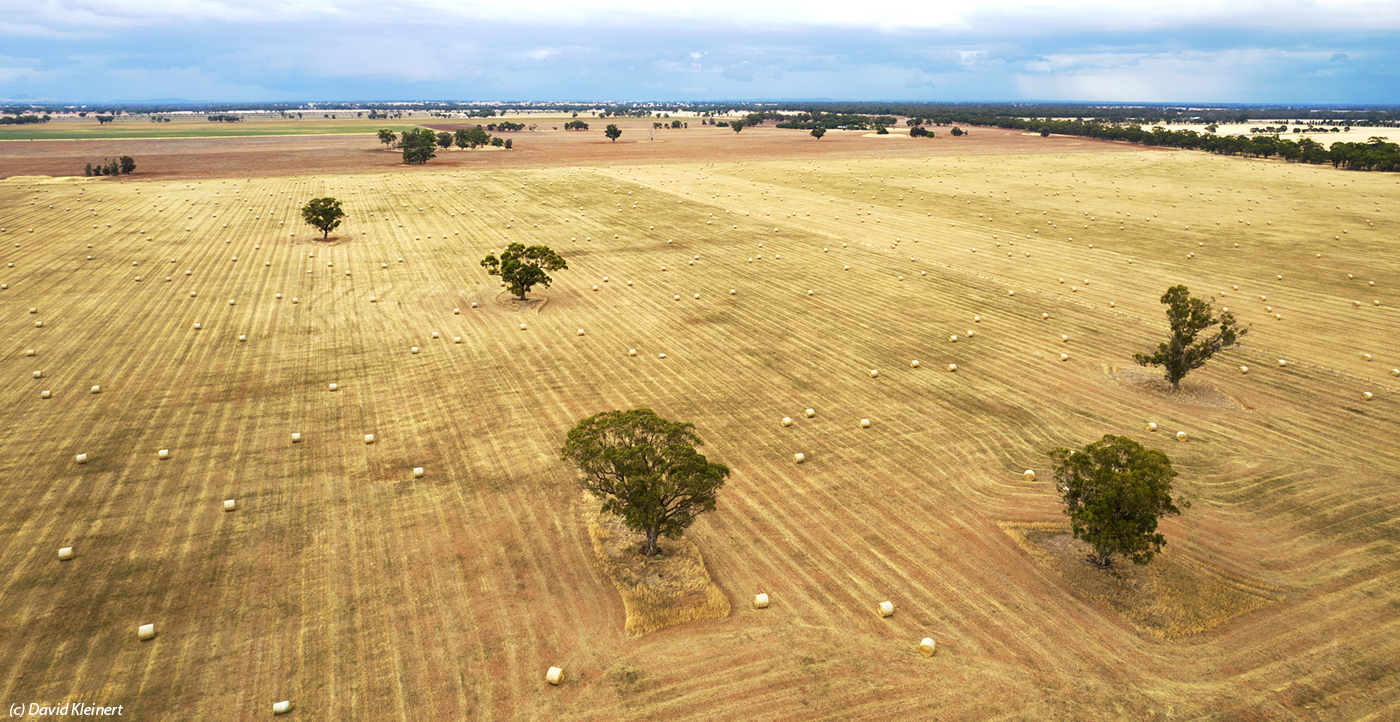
<point x="656" y="592"/>
<point x="1170" y="598"/>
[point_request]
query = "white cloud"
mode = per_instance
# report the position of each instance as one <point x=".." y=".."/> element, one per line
<point x="998" y="17"/>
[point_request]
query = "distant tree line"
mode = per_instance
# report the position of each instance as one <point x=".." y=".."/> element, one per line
<point x="24" y="120"/>
<point x="419" y="144"/>
<point x="224" y="118"/>
<point x="111" y="166"/>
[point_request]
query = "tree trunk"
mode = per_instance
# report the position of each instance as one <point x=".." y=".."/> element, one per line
<point x="650" y="549"/>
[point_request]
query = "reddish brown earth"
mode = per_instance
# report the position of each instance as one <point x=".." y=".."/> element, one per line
<point x="269" y="156"/>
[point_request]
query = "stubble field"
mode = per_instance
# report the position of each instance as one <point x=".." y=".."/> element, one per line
<point x="346" y="585"/>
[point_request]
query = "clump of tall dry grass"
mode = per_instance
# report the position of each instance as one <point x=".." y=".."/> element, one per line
<point x="1170" y="598"/>
<point x="656" y="593"/>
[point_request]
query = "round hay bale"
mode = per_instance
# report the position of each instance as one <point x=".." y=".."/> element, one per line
<point x="1181" y="436"/>
<point x="1395" y="372"/>
<point x="146" y="632"/>
<point x="810" y="292"/>
<point x="661" y="355"/>
<point x="799" y="458"/>
<point x="865" y="423"/>
<point x="1244" y="369"/>
<point x="369" y="438"/>
<point x="417" y="472"/>
<point x="1366" y="395"/>
<point x="38" y="374"/>
<point x="522" y="327"/>
<point x="953" y="339"/>
<point x="1151" y="426"/>
<point x="1011" y="293"/>
<point x="874" y="373"/>
<point x="282" y="707"/>
<point x="580" y="332"/>
<point x="1029" y="475"/>
<point x="977" y="319"/>
<point x="456" y="339"/>
<point x="413" y="350"/>
<point x="456" y="312"/>
<point x="760" y="601"/>
<point x="230" y="504"/>
<point x="1282" y="363"/>
<point x="914" y="364"/>
<point x="787" y="421"/>
<point x="163" y="454"/>
<point x="436" y="335"/>
<point x="952" y="367"/>
<point x="555" y="675"/>
<point x="810" y="413"/>
<point x="886" y="609"/>
<point x="1044" y="316"/>
<point x="65" y="554"/>
<point x="1366" y="357"/>
<point x="473" y="304"/>
<point x="1064" y="338"/>
<point x="1064" y="357"/>
<point x="631" y="352"/>
<point x="335" y="386"/>
<point x="45" y="394"/>
<point x="296" y="438"/>
<point x="927" y="647"/>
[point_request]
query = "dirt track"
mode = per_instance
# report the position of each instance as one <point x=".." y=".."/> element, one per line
<point x="271" y="156"/>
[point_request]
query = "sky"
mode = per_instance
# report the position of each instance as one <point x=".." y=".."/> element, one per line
<point x="1181" y="51"/>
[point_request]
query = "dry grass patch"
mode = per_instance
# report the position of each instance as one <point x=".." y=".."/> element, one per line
<point x="533" y="302"/>
<point x="1149" y="382"/>
<point x="1170" y="598"/>
<point x="657" y="593"/>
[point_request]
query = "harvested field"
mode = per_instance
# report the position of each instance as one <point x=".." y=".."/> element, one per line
<point x="356" y="591"/>
<point x="300" y="155"/>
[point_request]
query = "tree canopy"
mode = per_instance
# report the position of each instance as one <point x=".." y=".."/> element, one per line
<point x="522" y="268"/>
<point x="324" y="214"/>
<point x="387" y="136"/>
<point x="1184" y="353"/>
<point x="1115" y="490"/>
<point x="646" y="470"/>
<point x="613" y="132"/>
<point x="418" y="145"/>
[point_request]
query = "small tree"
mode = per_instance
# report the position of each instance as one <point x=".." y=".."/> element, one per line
<point x="323" y="213"/>
<point x="1115" y="490"/>
<point x="522" y="267"/>
<point x="646" y="470"/>
<point x="444" y="140"/>
<point x="818" y="133"/>
<point x="737" y="125"/>
<point x="127" y="164"/>
<point x="612" y="132"/>
<point x="1188" y="317"/>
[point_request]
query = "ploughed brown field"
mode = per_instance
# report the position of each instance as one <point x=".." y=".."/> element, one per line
<point x="278" y="156"/>
<point x="355" y="590"/>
